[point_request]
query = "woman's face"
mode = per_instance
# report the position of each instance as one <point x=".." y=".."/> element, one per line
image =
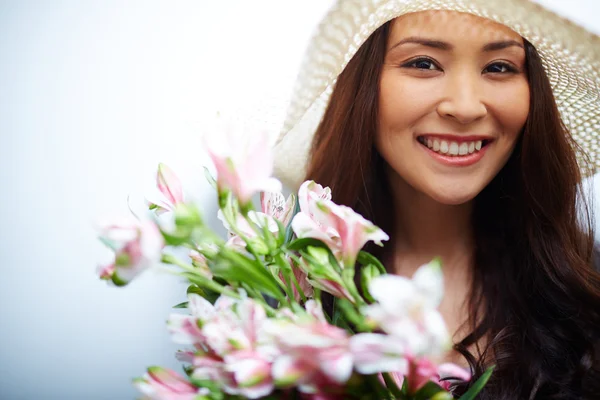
<point x="453" y="99"/>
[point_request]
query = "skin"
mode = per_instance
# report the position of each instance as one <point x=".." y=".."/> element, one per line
<point x="461" y="90"/>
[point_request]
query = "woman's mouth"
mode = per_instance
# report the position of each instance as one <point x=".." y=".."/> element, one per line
<point x="453" y="148"/>
<point x="458" y="152"/>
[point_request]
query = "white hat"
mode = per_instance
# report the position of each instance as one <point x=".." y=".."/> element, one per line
<point x="570" y="56"/>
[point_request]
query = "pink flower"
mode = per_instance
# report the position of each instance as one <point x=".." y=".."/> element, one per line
<point x="164" y="384"/>
<point x="232" y="345"/>
<point x="309" y="222"/>
<point x="354" y="231"/>
<point x="243" y="160"/>
<point x="186" y="329"/>
<point x="244" y="372"/>
<point x="407" y="309"/>
<point x="137" y="246"/>
<point x="374" y="352"/>
<point x="302" y="279"/>
<point x="250" y="374"/>
<point x="170" y="186"/>
<point x="237" y="327"/>
<point x="275" y="205"/>
<point x="223" y="328"/>
<point x="449" y="370"/>
<point x="340" y="227"/>
<point x="309" y="193"/>
<point x="311" y="349"/>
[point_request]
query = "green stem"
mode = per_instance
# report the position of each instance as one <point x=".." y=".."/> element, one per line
<point x="348" y="280"/>
<point x="391" y="385"/>
<point x="258" y="297"/>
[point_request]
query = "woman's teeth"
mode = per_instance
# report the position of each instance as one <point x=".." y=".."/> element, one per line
<point x="451" y="148"/>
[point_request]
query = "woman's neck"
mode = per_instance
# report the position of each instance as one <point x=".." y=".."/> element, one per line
<point x="425" y="228"/>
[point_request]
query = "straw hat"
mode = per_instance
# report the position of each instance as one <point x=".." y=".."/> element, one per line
<point x="570" y="55"/>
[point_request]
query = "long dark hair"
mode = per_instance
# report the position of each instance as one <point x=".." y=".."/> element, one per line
<point x="534" y="248"/>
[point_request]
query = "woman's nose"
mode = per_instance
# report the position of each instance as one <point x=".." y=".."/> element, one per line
<point x="462" y="101"/>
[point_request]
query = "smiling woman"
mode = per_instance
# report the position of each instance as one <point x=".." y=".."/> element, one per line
<point x="443" y="128"/>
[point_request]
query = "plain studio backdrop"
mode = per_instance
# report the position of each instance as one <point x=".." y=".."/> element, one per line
<point x="93" y="94"/>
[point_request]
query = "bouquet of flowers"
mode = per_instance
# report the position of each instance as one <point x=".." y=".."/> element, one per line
<point x="254" y="324"/>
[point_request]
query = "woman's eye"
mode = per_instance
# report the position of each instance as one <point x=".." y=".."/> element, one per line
<point x="421" y="63"/>
<point x="500" y="68"/>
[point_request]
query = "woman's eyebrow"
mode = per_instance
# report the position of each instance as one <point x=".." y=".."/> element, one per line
<point x="441" y="45"/>
<point x="494" y="46"/>
<point x="436" y="44"/>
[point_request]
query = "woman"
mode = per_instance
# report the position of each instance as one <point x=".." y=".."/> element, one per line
<point x="443" y="128"/>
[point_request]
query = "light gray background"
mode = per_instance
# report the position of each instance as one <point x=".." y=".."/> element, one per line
<point x="93" y="94"/>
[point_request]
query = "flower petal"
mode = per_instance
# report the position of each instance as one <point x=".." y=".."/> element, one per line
<point x="374" y="352"/>
<point x="169" y="185"/>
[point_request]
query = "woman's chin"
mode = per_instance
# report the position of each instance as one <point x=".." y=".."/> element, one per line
<point x="453" y="196"/>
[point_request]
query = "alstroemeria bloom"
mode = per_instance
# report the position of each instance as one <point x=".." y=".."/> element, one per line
<point x="185" y="329"/>
<point x="307" y="223"/>
<point x="164" y="384"/>
<point x="276" y="206"/>
<point x="311" y="348"/>
<point x="340" y="227"/>
<point x="170" y="186"/>
<point x="308" y="193"/>
<point x="236" y="351"/>
<point x="407" y="309"/>
<point x="243" y="160"/>
<point x="249" y="374"/>
<point x="225" y="327"/>
<point x="375" y="352"/>
<point x="137" y="246"/>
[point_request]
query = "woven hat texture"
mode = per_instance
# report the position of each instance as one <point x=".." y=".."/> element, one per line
<point x="570" y="56"/>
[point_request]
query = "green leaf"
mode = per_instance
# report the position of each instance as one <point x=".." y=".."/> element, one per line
<point x="477" y="386"/>
<point x="351" y="315"/>
<point x="391" y="385"/>
<point x="302" y="244"/>
<point x="206" y="293"/>
<point x="365" y="258"/>
<point x="117" y="280"/>
<point x="380" y="390"/>
<point x="281" y="234"/>
<point x="211" y="180"/>
<point x="233" y="266"/>
<point x="429" y="390"/>
<point x="181" y="305"/>
<point x="367" y="273"/>
<point x="442" y="396"/>
<point x="111" y="244"/>
<point x="176" y="238"/>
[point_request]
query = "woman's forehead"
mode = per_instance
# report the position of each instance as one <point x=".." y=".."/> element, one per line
<point x="439" y="24"/>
